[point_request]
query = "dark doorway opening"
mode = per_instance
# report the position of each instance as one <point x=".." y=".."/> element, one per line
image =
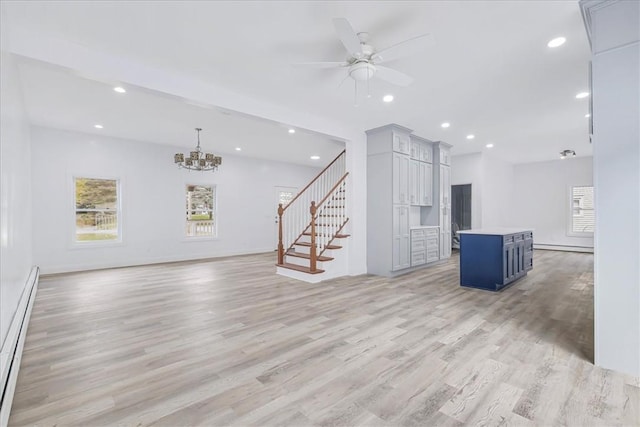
<point x="460" y="211"/>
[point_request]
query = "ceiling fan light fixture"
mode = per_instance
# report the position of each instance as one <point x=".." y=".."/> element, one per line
<point x="387" y="98"/>
<point x="362" y="71"/>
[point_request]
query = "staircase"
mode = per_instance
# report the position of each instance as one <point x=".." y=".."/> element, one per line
<point x="311" y="228"/>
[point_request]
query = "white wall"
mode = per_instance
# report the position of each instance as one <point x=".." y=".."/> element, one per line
<point x="543" y="195"/>
<point x="153" y="200"/>
<point x="15" y="200"/>
<point x="491" y="182"/>
<point x="615" y="44"/>
<point x="497" y="193"/>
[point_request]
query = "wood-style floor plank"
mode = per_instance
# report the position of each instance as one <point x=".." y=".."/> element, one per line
<point x="228" y="342"/>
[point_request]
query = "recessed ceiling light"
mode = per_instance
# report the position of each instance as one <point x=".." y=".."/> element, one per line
<point x="558" y="41"/>
<point x="470" y="136"/>
<point x="98" y="126"/>
<point x="445" y="125"/>
<point x="119" y="89"/>
<point x="387" y="98"/>
<point x="238" y="149"/>
<point x="587" y="115"/>
<point x="489" y="145"/>
<point x="582" y="95"/>
<point x="315" y="157"/>
<point x="292" y="131"/>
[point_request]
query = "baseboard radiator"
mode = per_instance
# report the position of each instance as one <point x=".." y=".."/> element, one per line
<point x="566" y="248"/>
<point x="11" y="351"/>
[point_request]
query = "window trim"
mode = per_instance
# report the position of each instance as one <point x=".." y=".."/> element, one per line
<point x="570" y="213"/>
<point x="214" y="212"/>
<point x="75" y="244"/>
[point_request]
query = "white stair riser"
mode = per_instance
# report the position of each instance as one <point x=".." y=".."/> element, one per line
<point x="302" y="261"/>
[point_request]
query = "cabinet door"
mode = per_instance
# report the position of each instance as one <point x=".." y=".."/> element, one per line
<point x="400" y="178"/>
<point x="433" y="248"/>
<point x="427" y="153"/>
<point x="415" y="150"/>
<point x="445" y="211"/>
<point x="445" y="156"/>
<point x="401" y="238"/>
<point x="401" y="143"/>
<point x="426" y="179"/>
<point x="415" y="186"/>
<point x="508" y="258"/>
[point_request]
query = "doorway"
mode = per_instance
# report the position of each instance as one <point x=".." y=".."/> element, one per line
<point x="460" y="211"/>
<point x="284" y="195"/>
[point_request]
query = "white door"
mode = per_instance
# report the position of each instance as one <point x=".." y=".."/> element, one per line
<point x="284" y="195"/>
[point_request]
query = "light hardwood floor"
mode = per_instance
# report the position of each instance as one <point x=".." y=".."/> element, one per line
<point x="228" y="342"/>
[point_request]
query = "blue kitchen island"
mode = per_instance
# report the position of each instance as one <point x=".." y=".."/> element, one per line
<point x="493" y="258"/>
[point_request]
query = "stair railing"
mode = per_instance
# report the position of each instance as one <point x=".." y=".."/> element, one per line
<point x="293" y="219"/>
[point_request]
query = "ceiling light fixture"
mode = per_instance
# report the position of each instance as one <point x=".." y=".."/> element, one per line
<point x="489" y="145"/>
<point x="582" y="95"/>
<point x="587" y="115"/>
<point x="238" y="149"/>
<point x="445" y="125"/>
<point x="567" y="153"/>
<point x="470" y="136"/>
<point x="119" y="89"/>
<point x="292" y="131"/>
<point x="98" y="126"/>
<point x="387" y="98"/>
<point x="315" y="157"/>
<point x="558" y="41"/>
<point x="197" y="160"/>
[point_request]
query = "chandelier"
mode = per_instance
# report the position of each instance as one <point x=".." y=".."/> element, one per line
<point x="197" y="160"/>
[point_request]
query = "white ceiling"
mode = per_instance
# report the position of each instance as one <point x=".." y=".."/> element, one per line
<point x="55" y="97"/>
<point x="490" y="72"/>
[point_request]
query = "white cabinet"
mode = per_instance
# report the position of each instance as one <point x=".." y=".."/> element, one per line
<point x="400" y="178"/>
<point x="445" y="211"/>
<point x="401" y="236"/>
<point x="401" y="143"/>
<point x="403" y="173"/>
<point x="445" y="156"/>
<point x="425" y="177"/>
<point x="422" y="151"/>
<point x="424" y="245"/>
<point x="414" y="182"/>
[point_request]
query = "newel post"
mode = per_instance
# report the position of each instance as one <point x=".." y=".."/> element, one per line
<point x="312" y="255"/>
<point x="280" y="246"/>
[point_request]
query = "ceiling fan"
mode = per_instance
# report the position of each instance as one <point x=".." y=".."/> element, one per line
<point x="363" y="62"/>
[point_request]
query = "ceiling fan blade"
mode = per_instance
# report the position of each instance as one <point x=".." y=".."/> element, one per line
<point x="404" y="48"/>
<point x="321" y="64"/>
<point x="392" y="76"/>
<point x="347" y="36"/>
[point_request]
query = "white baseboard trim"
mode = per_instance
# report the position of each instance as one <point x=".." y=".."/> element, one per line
<point x="11" y="351"/>
<point x="565" y="248"/>
<point x="70" y="268"/>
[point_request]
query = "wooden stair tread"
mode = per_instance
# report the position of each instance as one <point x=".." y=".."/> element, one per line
<point x="337" y="236"/>
<point x="309" y="245"/>
<point x="308" y="256"/>
<point x="300" y="268"/>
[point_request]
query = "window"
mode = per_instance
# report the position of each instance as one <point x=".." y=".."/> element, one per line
<point x="201" y="215"/>
<point x="582" y="213"/>
<point x="97" y="210"/>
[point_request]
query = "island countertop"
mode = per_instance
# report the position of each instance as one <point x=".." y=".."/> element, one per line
<point x="497" y="231"/>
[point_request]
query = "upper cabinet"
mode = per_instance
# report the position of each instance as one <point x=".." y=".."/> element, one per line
<point x="401" y="143"/>
<point x="421" y="149"/>
<point x="445" y="156"/>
